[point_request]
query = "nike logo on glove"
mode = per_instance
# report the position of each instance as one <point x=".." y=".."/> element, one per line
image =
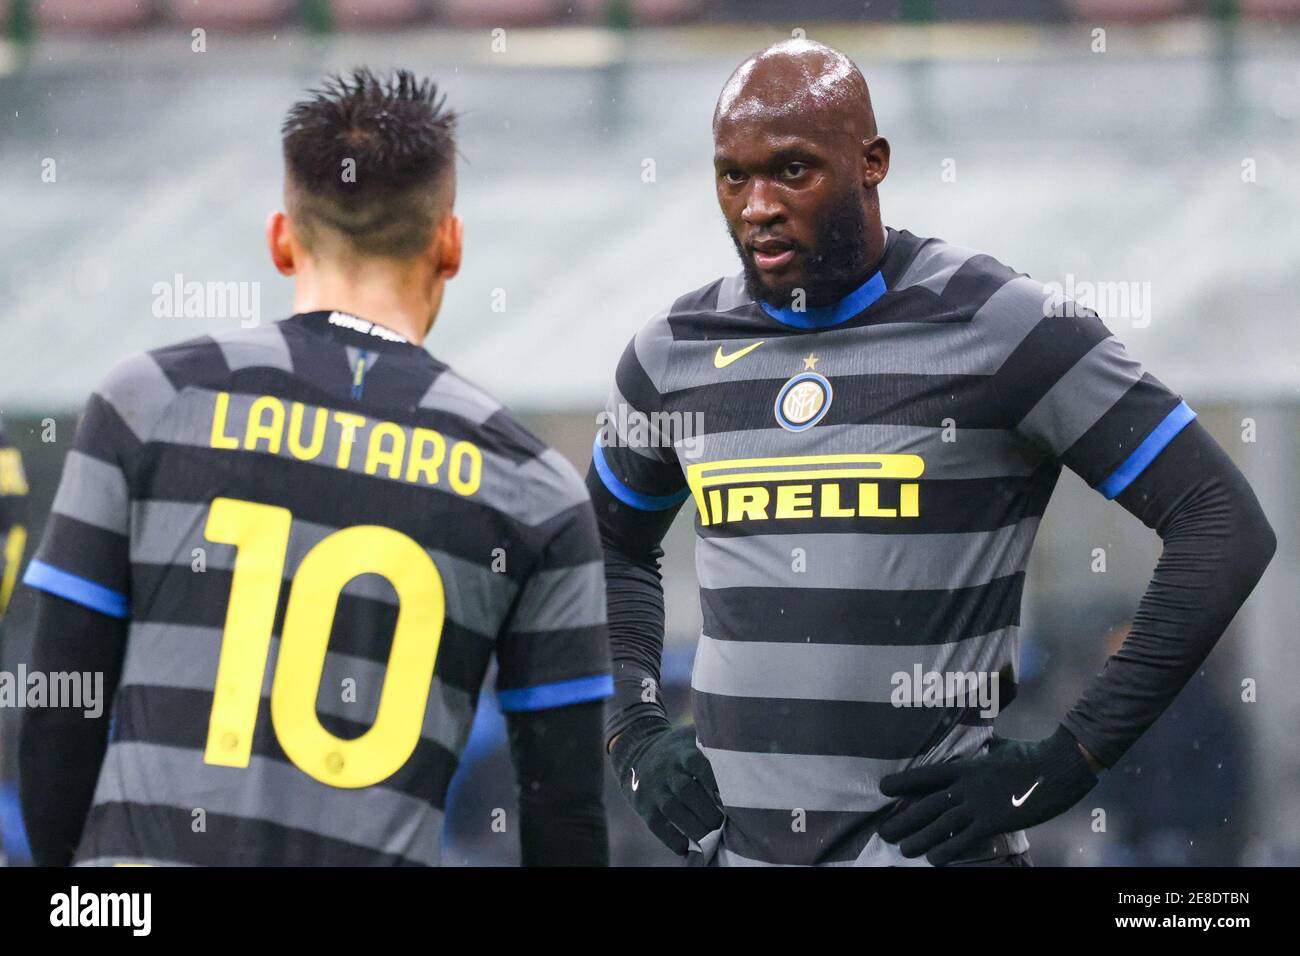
<point x="636" y="783"/>
<point x="1015" y="801"/>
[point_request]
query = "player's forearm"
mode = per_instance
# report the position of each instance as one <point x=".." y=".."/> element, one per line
<point x="554" y="835"/>
<point x="60" y="749"/>
<point x="635" y="601"/>
<point x="560" y="768"/>
<point x="634" y="597"/>
<point x="1217" y="543"/>
<point x="59" y="762"/>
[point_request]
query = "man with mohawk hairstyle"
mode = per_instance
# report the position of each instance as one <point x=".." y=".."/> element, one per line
<point x="312" y="689"/>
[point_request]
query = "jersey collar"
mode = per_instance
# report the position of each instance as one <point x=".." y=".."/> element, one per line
<point x="352" y="330"/>
<point x="853" y="304"/>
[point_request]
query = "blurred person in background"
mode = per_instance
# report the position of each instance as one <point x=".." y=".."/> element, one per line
<point x="13" y="538"/>
<point x="13" y="535"/>
<point x="871" y="425"/>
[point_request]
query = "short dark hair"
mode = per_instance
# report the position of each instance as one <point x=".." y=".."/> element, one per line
<point x="371" y="159"/>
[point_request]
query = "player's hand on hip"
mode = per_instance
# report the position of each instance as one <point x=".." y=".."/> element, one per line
<point x="668" y="781"/>
<point x="950" y="808"/>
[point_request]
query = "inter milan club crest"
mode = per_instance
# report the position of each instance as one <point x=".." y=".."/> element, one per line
<point x="803" y="401"/>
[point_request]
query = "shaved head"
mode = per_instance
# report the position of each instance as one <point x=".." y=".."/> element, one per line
<point x="800" y="79"/>
<point x="796" y="162"/>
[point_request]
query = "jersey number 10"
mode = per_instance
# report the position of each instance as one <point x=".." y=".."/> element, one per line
<point x="261" y="535"/>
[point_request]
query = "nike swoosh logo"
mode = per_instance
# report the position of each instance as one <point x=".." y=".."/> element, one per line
<point x="722" y="361"/>
<point x="636" y="783"/>
<point x="1017" y="801"/>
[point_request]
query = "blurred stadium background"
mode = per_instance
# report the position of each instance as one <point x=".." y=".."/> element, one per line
<point x="1148" y="143"/>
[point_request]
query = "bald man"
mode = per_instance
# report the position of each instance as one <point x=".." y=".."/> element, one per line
<point x="877" y="422"/>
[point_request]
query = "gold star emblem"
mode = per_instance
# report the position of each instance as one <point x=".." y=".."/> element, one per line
<point x="811" y="361"/>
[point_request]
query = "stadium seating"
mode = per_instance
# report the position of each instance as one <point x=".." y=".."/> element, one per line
<point x="377" y="14"/>
<point x="233" y="14"/>
<point x="91" y="16"/>
<point x="644" y="12"/>
<point x="498" y="13"/>
<point x="110" y="16"/>
<point x="1132" y="10"/>
<point x="1271" y="9"/>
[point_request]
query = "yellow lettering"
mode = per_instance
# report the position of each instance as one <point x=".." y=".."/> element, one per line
<point x="296" y="446"/>
<point x="299" y="669"/>
<point x="272" y="430"/>
<point x="260" y="533"/>
<point x="461" y="452"/>
<point x="747" y="503"/>
<point x="392" y="458"/>
<point x="831" y="503"/>
<point x="869" y="503"/>
<point x="420" y="463"/>
<point x="794" y="501"/>
<point x="350" y="423"/>
<point x="219" y="437"/>
<point x="714" y="512"/>
<point x="908" y="505"/>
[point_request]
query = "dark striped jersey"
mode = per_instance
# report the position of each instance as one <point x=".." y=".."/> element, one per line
<point x="322" y="537"/>
<point x="868" y="479"/>
<point x="13" y="534"/>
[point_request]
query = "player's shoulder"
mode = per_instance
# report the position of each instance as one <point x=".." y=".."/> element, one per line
<point x="141" y="387"/>
<point x="453" y="394"/>
<point x="717" y="309"/>
<point x="542" y="481"/>
<point x="714" y="302"/>
<point x="950" y="270"/>
<point x="999" y="302"/>
<point x="208" y="359"/>
<point x="550" y="488"/>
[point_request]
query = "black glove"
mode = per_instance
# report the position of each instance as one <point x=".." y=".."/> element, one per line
<point x="668" y="782"/>
<point x="954" y="806"/>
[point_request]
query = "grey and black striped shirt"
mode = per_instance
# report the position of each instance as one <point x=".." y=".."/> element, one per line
<point x="868" y="480"/>
<point x="321" y="537"/>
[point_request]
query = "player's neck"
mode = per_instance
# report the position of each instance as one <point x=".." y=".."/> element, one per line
<point x="854" y="282"/>
<point x="408" y="312"/>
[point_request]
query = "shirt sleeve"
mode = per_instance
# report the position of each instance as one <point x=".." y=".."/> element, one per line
<point x="1217" y="543"/>
<point x="554" y="650"/>
<point x="60" y="749"/>
<point x="13" y="536"/>
<point x="1073" y="391"/>
<point x="633" y="454"/>
<point x="84" y="554"/>
<point x="637" y="487"/>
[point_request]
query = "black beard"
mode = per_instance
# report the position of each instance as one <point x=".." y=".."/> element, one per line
<point x="836" y="268"/>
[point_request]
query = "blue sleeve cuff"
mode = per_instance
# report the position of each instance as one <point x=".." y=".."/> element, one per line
<point x="629" y="496"/>
<point x="1145" y="453"/>
<point x="559" y="694"/>
<point x="73" y="587"/>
